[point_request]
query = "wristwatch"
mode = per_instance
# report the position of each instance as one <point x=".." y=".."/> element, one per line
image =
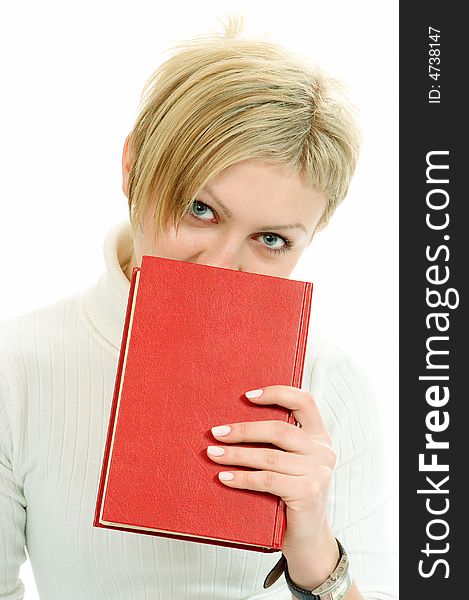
<point x="335" y="587"/>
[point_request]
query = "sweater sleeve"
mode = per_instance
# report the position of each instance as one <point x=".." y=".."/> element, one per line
<point x="359" y="491"/>
<point x="12" y="506"/>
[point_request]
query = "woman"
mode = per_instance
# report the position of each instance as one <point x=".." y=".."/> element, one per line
<point x="239" y="154"/>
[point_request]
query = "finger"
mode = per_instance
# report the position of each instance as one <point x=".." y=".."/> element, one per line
<point x="272" y="460"/>
<point x="307" y="490"/>
<point x="279" y="433"/>
<point x="301" y="402"/>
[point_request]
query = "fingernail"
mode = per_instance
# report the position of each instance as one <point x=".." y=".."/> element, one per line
<point x="254" y="393"/>
<point x="221" y="430"/>
<point x="215" y="450"/>
<point x="225" y="476"/>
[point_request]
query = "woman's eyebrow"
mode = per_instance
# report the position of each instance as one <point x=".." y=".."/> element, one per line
<point x="229" y="215"/>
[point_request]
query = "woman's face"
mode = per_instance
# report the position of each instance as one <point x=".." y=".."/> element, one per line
<point x="252" y="217"/>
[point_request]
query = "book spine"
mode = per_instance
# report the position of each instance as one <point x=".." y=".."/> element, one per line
<point x="297" y="377"/>
<point x="112" y="416"/>
<point x="303" y="335"/>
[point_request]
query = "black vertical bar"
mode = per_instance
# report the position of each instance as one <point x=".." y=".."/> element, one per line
<point x="433" y="273"/>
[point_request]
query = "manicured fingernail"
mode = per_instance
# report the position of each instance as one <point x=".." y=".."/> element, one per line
<point x="215" y="450"/>
<point x="225" y="476"/>
<point x="254" y="393"/>
<point x="221" y="430"/>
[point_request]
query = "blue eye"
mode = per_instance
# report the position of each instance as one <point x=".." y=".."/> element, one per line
<point x="276" y="237"/>
<point x="199" y="208"/>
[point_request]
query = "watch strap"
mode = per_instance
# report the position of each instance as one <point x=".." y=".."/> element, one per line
<point x="335" y="587"/>
<point x="275" y="572"/>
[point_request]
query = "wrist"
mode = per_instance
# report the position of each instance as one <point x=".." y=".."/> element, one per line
<point x="335" y="587"/>
<point x="309" y="569"/>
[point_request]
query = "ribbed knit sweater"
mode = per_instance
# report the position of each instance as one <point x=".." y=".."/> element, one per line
<point x="57" y="371"/>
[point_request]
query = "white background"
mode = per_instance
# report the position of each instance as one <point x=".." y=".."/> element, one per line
<point x="71" y="78"/>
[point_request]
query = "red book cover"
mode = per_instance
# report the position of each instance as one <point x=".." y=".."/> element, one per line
<point x="195" y="338"/>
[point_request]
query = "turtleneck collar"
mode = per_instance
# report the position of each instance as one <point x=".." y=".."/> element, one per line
<point x="104" y="303"/>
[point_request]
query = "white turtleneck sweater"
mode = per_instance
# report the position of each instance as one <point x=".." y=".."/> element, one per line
<point x="57" y="371"/>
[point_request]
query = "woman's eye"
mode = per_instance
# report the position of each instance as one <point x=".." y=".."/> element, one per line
<point x="285" y="243"/>
<point x="199" y="212"/>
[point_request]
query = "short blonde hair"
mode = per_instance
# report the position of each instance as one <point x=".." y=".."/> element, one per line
<point x="220" y="99"/>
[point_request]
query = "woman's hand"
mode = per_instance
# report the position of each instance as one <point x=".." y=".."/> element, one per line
<point x="299" y="472"/>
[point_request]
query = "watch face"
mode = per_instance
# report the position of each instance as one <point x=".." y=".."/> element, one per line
<point x="337" y="592"/>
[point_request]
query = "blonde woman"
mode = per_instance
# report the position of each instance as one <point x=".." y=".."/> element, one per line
<point x="239" y="154"/>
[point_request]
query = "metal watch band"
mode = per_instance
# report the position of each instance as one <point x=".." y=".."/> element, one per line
<point x="335" y="587"/>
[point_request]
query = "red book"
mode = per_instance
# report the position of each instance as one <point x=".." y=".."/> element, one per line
<point x="195" y="338"/>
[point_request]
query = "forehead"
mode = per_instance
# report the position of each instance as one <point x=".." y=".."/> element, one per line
<point x="267" y="191"/>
